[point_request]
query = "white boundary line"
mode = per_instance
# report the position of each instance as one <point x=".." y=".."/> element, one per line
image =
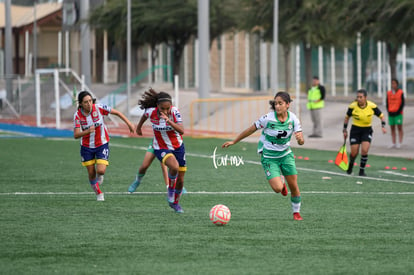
<point x="202" y="193"/>
<point x="15" y="134"/>
<point x="258" y="163"/>
<point x="397" y="174"/>
<point x="346" y="175"/>
<point x="298" y="168"/>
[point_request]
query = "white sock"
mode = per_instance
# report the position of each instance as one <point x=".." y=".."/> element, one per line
<point x="295" y="207"/>
<point x="296" y="202"/>
<point x="100" y="179"/>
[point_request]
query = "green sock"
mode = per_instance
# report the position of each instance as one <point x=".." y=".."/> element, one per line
<point x="139" y="177"/>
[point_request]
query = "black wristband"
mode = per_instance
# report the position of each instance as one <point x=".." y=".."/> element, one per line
<point x="345" y="126"/>
<point x="382" y="123"/>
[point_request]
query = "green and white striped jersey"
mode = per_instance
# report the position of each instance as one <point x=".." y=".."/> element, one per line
<point x="275" y="139"/>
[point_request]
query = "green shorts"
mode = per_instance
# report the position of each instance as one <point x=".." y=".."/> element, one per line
<point x="151" y="149"/>
<point x="273" y="167"/>
<point x="395" y="120"/>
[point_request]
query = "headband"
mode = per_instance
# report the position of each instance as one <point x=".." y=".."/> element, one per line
<point x="163" y="99"/>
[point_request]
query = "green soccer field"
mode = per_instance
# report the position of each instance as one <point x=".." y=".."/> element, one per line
<point x="51" y="222"/>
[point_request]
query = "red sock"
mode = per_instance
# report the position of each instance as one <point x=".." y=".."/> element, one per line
<point x="95" y="186"/>
<point x="172" y="181"/>
<point x="177" y="195"/>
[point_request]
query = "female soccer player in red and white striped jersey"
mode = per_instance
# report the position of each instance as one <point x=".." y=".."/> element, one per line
<point x="90" y="127"/>
<point x="167" y="142"/>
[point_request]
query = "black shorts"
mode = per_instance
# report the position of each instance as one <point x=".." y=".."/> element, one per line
<point x="360" y="134"/>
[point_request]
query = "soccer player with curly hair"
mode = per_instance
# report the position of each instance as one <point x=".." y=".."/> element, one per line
<point x="167" y="143"/>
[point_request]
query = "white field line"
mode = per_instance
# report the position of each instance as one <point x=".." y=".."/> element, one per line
<point x="201" y="193"/>
<point x="258" y="163"/>
<point x="397" y="174"/>
<point x="12" y="134"/>
<point x="298" y="168"/>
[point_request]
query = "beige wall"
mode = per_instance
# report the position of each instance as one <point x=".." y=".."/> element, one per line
<point x="233" y="78"/>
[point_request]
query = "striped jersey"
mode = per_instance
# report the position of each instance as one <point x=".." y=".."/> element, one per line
<point x="275" y="139"/>
<point x="165" y="137"/>
<point x="96" y="117"/>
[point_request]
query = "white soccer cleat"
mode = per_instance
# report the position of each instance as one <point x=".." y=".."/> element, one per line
<point x="100" y="197"/>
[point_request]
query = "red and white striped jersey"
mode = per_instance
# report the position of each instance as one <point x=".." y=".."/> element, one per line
<point x="96" y="117"/>
<point x="165" y="137"/>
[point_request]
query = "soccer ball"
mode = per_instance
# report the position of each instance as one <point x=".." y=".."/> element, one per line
<point x="220" y="214"/>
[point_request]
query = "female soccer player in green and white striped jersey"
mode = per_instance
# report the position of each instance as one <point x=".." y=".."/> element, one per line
<point x="274" y="147"/>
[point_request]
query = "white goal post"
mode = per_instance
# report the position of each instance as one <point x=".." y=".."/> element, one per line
<point x="55" y="72"/>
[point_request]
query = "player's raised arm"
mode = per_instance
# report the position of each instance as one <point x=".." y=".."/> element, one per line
<point x="124" y="118"/>
<point x="241" y="136"/>
<point x="138" y="130"/>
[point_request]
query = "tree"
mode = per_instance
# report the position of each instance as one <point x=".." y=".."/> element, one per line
<point x="389" y="21"/>
<point x="310" y="22"/>
<point x="258" y="18"/>
<point x="394" y="25"/>
<point x="172" y="22"/>
<point x="152" y="22"/>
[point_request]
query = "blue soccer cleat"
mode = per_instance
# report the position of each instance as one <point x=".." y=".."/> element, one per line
<point x="177" y="208"/>
<point x="133" y="186"/>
